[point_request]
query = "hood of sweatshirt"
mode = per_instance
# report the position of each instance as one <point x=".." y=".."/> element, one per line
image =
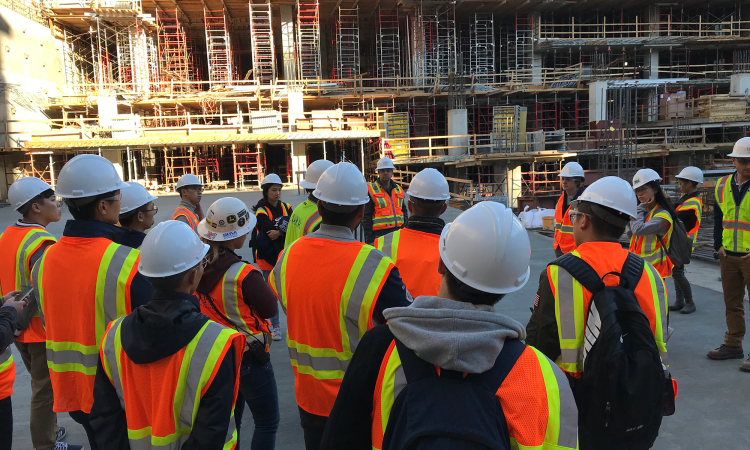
<point x="213" y="273"/>
<point x="162" y="327"/>
<point x="453" y="335"/>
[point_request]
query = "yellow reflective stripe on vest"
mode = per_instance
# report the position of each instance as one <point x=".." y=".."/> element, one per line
<point x="695" y="204"/>
<point x="112" y="285"/>
<point x="36" y="281"/>
<point x="661" y="306"/>
<point x="388" y="244"/>
<point x="230" y="294"/>
<point x="562" y="417"/>
<point x="569" y="314"/>
<point x="311" y="222"/>
<point x="735" y="218"/>
<point x="72" y="357"/>
<point x="28" y="245"/>
<point x="6" y="359"/>
<point x="394" y="380"/>
<point x="380" y="202"/>
<point x="201" y="355"/>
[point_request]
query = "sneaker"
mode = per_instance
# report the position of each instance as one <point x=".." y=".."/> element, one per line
<point x="726" y="352"/>
<point x="64" y="446"/>
<point x="277" y="333"/>
<point x="745" y="367"/>
<point x="60" y="434"/>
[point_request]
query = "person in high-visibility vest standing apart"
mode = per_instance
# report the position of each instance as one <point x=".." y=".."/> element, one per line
<point x="189" y="210"/>
<point x="689" y="209"/>
<point x="233" y="293"/>
<point x="651" y="230"/>
<point x="414" y="248"/>
<point x="344" y="295"/>
<point x="484" y="255"/>
<point x="88" y="270"/>
<point x="272" y="222"/>
<point x="571" y="181"/>
<point x="385" y="211"/>
<point x="21" y="246"/>
<point x="305" y="219"/>
<point x="137" y="211"/>
<point x="732" y="242"/>
<point x="167" y="375"/>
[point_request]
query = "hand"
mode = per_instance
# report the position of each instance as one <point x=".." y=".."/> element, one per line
<point x="199" y="211"/>
<point x="11" y="300"/>
<point x="722" y="252"/>
<point x="745" y="257"/>
<point x="651" y="202"/>
<point x="273" y="234"/>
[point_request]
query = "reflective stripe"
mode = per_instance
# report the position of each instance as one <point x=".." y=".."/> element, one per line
<point x="720" y="188"/>
<point x="111" y="358"/>
<point x="562" y="428"/>
<point x="72" y="357"/>
<point x="311" y="222"/>
<point x="571" y="355"/>
<point x="189" y="215"/>
<point x="198" y="361"/>
<point x="318" y="363"/>
<point x="112" y="285"/>
<point x="5" y="356"/>
<point x="385" y="215"/>
<point x="230" y="298"/>
<point x="36" y="281"/>
<point x="388" y="244"/>
<point x="660" y="303"/>
<point x="566" y="304"/>
<point x="558" y="226"/>
<point x="736" y="225"/>
<point x="29" y="244"/>
<point x="566" y="228"/>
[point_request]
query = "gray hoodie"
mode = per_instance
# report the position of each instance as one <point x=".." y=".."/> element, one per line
<point x="453" y="335"/>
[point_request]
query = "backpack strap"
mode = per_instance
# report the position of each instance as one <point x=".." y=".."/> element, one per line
<point x="581" y="271"/>
<point x="631" y="271"/>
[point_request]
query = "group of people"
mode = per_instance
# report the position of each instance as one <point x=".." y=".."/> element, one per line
<point x="159" y="339"/>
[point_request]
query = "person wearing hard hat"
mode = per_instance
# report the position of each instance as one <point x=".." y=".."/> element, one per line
<point x="270" y="232"/>
<point x="414" y="248"/>
<point x="137" y="211"/>
<point x="22" y="244"/>
<point x="189" y="210"/>
<point x="344" y="295"/>
<point x="88" y="270"/>
<point x="689" y="209"/>
<point x="385" y="211"/>
<point x="571" y="182"/>
<point x="167" y="375"/>
<point x="305" y="219"/>
<point x="732" y="242"/>
<point x="484" y="255"/>
<point x="650" y="231"/>
<point x="557" y="326"/>
<point x="233" y="293"/>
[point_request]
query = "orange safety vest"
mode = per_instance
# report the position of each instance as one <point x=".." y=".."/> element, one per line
<point x="563" y="227"/>
<point x="388" y="209"/>
<point x="572" y="300"/>
<point x="694" y="204"/>
<point x="540" y="415"/>
<point x="650" y="247"/>
<point x="329" y="308"/>
<point x="82" y="285"/>
<point x="233" y="312"/>
<point x="191" y="217"/>
<point x="7" y="373"/>
<point x="417" y="257"/>
<point x="161" y="399"/>
<point x="285" y="207"/>
<point x="17" y="245"/>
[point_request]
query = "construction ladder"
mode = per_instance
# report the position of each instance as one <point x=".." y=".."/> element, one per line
<point x="172" y="45"/>
<point x="261" y="36"/>
<point x="308" y="40"/>
<point x="218" y="47"/>
<point x="347" y="43"/>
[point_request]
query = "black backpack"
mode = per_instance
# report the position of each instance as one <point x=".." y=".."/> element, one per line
<point x="450" y="411"/>
<point x="680" y="245"/>
<point x="624" y="389"/>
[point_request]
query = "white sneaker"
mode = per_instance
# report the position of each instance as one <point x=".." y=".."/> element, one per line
<point x="64" y="446"/>
<point x="277" y="333"/>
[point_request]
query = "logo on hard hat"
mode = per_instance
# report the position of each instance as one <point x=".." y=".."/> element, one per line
<point x="210" y="235"/>
<point x="232" y="234"/>
<point x="231" y="218"/>
<point x="637" y="180"/>
<point x="241" y="222"/>
<point x="222" y="223"/>
<point x="210" y="223"/>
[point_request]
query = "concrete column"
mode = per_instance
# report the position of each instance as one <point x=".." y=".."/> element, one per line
<point x="115" y="157"/>
<point x="458" y="124"/>
<point x="299" y="159"/>
<point x="653" y="64"/>
<point x="296" y="109"/>
<point x="597" y="101"/>
<point x="287" y="42"/>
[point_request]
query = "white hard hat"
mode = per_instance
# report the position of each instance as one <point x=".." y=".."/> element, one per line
<point x="88" y="176"/>
<point x="134" y="197"/>
<point x="691" y="173"/>
<point x="226" y="219"/>
<point x="24" y="189"/>
<point x="741" y="148"/>
<point x="314" y="171"/>
<point x="644" y="176"/>
<point x="271" y="178"/>
<point x="612" y="192"/>
<point x="172" y="247"/>
<point x="572" y="169"/>
<point x="385" y="163"/>
<point x="429" y="184"/>
<point x="188" y="180"/>
<point x="342" y="184"/>
<point x="487" y="248"/>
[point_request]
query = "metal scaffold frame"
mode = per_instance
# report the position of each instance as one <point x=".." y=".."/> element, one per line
<point x="483" y="47"/>
<point x="424" y="44"/>
<point x="174" y="61"/>
<point x="180" y="162"/>
<point x="447" y="42"/>
<point x="218" y="47"/>
<point x="78" y="61"/>
<point x="261" y="37"/>
<point x="524" y="46"/>
<point x="347" y="43"/>
<point x="308" y="41"/>
<point x="388" y="44"/>
<point x="248" y="167"/>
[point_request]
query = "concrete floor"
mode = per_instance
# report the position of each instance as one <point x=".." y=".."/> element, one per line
<point x="712" y="406"/>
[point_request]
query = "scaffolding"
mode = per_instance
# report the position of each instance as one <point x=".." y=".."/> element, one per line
<point x="308" y="40"/>
<point x="424" y="44"/>
<point x="618" y="158"/>
<point x="524" y="47"/>
<point x="347" y="44"/>
<point x="248" y="167"/>
<point x="174" y="60"/>
<point x="388" y="44"/>
<point x="178" y="162"/>
<point x="447" y="57"/>
<point x="218" y="47"/>
<point x="483" y="47"/>
<point x="261" y="36"/>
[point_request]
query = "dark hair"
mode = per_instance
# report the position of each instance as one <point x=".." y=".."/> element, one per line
<point x="86" y="210"/>
<point x="169" y="283"/>
<point x="601" y="227"/>
<point x="426" y="208"/>
<point x="190" y="186"/>
<point x="23" y="210"/>
<point x="465" y="293"/>
<point x="267" y="187"/>
<point x="127" y="218"/>
<point x="342" y="219"/>
<point x="661" y="199"/>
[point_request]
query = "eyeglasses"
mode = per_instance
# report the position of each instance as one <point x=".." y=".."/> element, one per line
<point x="115" y="198"/>
<point x="197" y="189"/>
<point x="204" y="262"/>
<point x="743" y="161"/>
<point x="155" y="210"/>
<point x="573" y="213"/>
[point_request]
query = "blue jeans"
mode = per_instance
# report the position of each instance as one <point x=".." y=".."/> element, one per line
<point x="258" y="390"/>
<point x="275" y="319"/>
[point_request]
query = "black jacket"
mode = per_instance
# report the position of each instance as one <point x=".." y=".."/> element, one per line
<point x="7" y="326"/>
<point x="432" y="225"/>
<point x="154" y="331"/>
<point x="267" y="249"/>
<point x="371" y="234"/>
<point x="132" y="238"/>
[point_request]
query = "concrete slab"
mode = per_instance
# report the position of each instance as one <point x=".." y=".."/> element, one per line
<point x="712" y="407"/>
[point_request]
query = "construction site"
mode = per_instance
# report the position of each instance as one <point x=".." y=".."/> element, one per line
<point x="495" y="94"/>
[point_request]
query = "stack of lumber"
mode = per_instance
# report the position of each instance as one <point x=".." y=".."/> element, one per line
<point x="720" y="106"/>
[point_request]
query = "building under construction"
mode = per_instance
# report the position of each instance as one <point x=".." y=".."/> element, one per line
<point x="495" y="94"/>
